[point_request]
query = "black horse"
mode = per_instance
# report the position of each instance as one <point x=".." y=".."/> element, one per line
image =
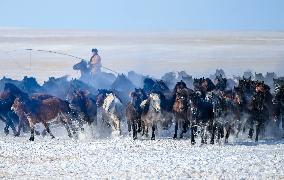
<point x="202" y="115"/>
<point x="7" y="98"/>
<point x="134" y="110"/>
<point x="83" y="104"/>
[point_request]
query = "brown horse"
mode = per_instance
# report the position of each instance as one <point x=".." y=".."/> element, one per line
<point x="43" y="111"/>
<point x="180" y="110"/>
<point x="133" y="111"/>
<point x="23" y="122"/>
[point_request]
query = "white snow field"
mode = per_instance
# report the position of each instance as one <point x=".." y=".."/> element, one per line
<point x="123" y="158"/>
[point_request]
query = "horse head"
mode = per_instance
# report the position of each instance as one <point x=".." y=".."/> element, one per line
<point x="122" y="83"/>
<point x="181" y="101"/>
<point x="180" y="86"/>
<point x="13" y="90"/>
<point x="102" y="94"/>
<point x="155" y="102"/>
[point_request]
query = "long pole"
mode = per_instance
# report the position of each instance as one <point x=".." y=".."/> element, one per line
<point x="65" y="54"/>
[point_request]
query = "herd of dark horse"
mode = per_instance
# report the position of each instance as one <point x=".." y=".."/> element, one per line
<point x="207" y="107"/>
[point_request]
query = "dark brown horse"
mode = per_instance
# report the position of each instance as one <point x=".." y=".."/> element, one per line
<point x="43" y="111"/>
<point x="85" y="105"/>
<point x="260" y="108"/>
<point x="133" y="111"/>
<point x="202" y="115"/>
<point x="23" y="122"/>
<point x="278" y="102"/>
<point x="180" y="111"/>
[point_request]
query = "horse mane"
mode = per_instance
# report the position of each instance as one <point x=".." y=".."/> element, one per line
<point x="122" y="82"/>
<point x="14" y="90"/>
<point x="145" y="106"/>
<point x="211" y="85"/>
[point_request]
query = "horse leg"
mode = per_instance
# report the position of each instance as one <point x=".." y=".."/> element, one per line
<point x="68" y="124"/>
<point x="10" y="123"/>
<point x="213" y="130"/>
<point x="116" y="125"/>
<point x="282" y="119"/>
<point x="129" y="126"/>
<point x="140" y="124"/>
<point x="134" y="130"/>
<point x="19" y="128"/>
<point x="153" y="132"/>
<point x="227" y="134"/>
<point x="202" y="134"/>
<point x="257" y="132"/>
<point x="192" y="135"/>
<point x="184" y="128"/>
<point x="48" y="130"/>
<point x="251" y="133"/>
<point x="176" y="129"/>
<point x="31" y="124"/>
<point x="239" y="127"/>
<point x="6" y="128"/>
<point x="146" y="127"/>
<point x="67" y="128"/>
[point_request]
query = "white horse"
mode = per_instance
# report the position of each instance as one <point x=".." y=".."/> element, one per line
<point x="112" y="113"/>
<point x="151" y="114"/>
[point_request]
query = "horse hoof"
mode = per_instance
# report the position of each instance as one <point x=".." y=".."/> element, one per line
<point x="134" y="138"/>
<point x="175" y="136"/>
<point x="32" y="139"/>
<point x="6" y="131"/>
<point x="152" y="138"/>
<point x="17" y="134"/>
<point x="37" y="133"/>
<point x="52" y="137"/>
<point x="211" y="142"/>
<point x="193" y="142"/>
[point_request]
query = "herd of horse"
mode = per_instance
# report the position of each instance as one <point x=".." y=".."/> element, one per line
<point x="207" y="107"/>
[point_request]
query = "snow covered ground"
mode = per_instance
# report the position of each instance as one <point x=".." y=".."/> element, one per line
<point x="122" y="157"/>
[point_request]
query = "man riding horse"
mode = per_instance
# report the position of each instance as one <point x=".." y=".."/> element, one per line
<point x="95" y="62"/>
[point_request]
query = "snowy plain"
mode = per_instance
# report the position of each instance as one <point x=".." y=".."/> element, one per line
<point x="122" y="158"/>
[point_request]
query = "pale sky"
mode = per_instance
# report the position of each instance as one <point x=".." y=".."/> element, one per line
<point x="144" y="14"/>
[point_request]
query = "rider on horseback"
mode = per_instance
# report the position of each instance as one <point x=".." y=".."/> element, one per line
<point x="95" y="62"/>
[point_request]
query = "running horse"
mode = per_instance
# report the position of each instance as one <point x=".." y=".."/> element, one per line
<point x="151" y="114"/>
<point x="133" y="111"/>
<point x="278" y="102"/>
<point x="180" y="109"/>
<point x="201" y="115"/>
<point x="84" y="105"/>
<point x="260" y="109"/>
<point x="41" y="109"/>
<point x="112" y="110"/>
